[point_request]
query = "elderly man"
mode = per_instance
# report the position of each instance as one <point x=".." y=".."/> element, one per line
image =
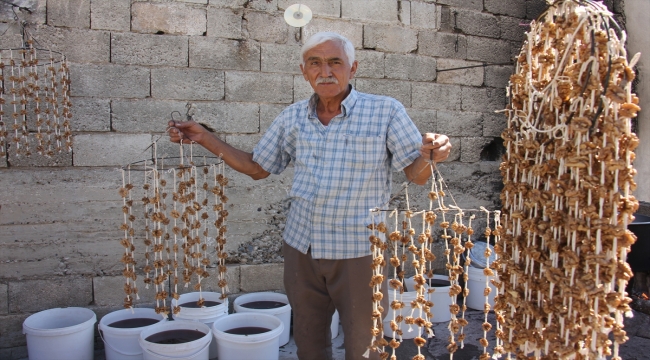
<point x="344" y="146"/>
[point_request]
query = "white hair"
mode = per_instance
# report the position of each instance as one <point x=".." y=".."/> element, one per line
<point x="325" y="36"/>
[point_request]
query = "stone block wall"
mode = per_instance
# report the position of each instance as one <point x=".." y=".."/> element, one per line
<point x="234" y="65"/>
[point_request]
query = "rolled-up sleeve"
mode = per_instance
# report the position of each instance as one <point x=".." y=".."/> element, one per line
<point x="403" y="139"/>
<point x="270" y="152"/>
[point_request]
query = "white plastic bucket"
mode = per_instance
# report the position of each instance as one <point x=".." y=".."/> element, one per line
<point x="206" y="314"/>
<point x="264" y="346"/>
<point x="408" y="332"/>
<point x="441" y="301"/>
<point x="283" y="313"/>
<point x="194" y="350"/>
<point x="60" y="334"/>
<point x="122" y="343"/>
<point x="334" y="327"/>
<point x="476" y="286"/>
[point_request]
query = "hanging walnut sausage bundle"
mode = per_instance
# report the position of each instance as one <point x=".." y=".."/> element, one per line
<point x="568" y="179"/>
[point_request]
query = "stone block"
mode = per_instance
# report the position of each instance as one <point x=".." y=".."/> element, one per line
<point x="445" y="19"/>
<point x="110" y="149"/>
<point x="482" y="99"/>
<point x="329" y="8"/>
<point x="37" y="7"/>
<point x="516" y="8"/>
<point x="488" y="50"/>
<point x="90" y="114"/>
<point x="390" y="38"/>
<point x="494" y="124"/>
<point x="460" y="123"/>
<point x="511" y="28"/>
<point x="263" y="277"/>
<point x="423" y="15"/>
<point x="498" y="76"/>
<point x="352" y="30"/>
<point x="400" y="90"/>
<point x="439" y="44"/>
<point x="187" y="84"/>
<point x="436" y="96"/>
<point x="232" y="277"/>
<point x="469" y="4"/>
<point x="535" y="8"/>
<point x="209" y="52"/>
<point x="371" y="64"/>
<point x="404" y="12"/>
<point x="301" y="88"/>
<point x="146" y="49"/>
<point x="168" y="18"/>
<point x="228" y="3"/>
<point x="38" y="295"/>
<point x="229" y="117"/>
<point x="370" y="10"/>
<point x="109" y="81"/>
<point x="268" y="113"/>
<point x="424" y="119"/>
<point x="168" y="149"/>
<point x="69" y="13"/>
<point x="195" y="1"/>
<point x="280" y="58"/>
<point x="471" y="76"/>
<point x="225" y="23"/>
<point x="254" y="87"/>
<point x="11" y="328"/>
<point x="109" y="291"/>
<point x="4" y="298"/>
<point x="267" y="27"/>
<point x="78" y="46"/>
<point x="144" y="115"/>
<point x="472" y="147"/>
<point x="266" y="5"/>
<point x="111" y="15"/>
<point x="476" y="23"/>
<point x="3" y="162"/>
<point x="410" y="67"/>
<point x="244" y="142"/>
<point x="63" y="158"/>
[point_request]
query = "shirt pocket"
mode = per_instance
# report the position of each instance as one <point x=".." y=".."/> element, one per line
<point x="365" y="151"/>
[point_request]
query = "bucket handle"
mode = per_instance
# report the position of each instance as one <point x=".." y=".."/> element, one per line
<point x="101" y="335"/>
<point x="184" y="358"/>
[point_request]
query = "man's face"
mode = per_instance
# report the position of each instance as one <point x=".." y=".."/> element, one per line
<point x="328" y="70"/>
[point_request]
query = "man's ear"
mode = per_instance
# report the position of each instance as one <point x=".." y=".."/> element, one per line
<point x="302" y="70"/>
<point x="353" y="69"/>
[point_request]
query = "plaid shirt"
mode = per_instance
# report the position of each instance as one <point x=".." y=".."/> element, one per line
<point x="341" y="170"/>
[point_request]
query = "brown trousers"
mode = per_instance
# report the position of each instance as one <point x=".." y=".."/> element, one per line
<point x="315" y="288"/>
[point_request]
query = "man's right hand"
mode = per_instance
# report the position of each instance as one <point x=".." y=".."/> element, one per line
<point x="187" y="132"/>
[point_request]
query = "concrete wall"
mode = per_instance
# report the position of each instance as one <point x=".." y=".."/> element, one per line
<point x="235" y="64"/>
<point x="637" y="28"/>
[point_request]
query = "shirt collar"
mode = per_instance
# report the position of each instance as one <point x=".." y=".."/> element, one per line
<point x="346" y="105"/>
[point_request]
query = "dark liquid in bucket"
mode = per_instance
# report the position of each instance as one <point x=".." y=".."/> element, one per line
<point x="133" y="323"/>
<point x="263" y="304"/>
<point x="175" y="336"/>
<point x="206" y="303"/>
<point x="247" y="330"/>
<point x="438" y="283"/>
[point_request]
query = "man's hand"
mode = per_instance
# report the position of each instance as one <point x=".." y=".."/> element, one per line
<point x="187" y="132"/>
<point x="435" y="147"/>
<point x="438" y="143"/>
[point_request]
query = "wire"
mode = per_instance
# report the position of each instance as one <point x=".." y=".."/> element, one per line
<point x="474" y="66"/>
<point x="18" y="6"/>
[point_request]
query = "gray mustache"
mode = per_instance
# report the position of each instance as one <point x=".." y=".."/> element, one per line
<point x="326" y="81"/>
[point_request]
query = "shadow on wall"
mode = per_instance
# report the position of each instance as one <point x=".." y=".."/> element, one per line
<point x="493" y="151"/>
